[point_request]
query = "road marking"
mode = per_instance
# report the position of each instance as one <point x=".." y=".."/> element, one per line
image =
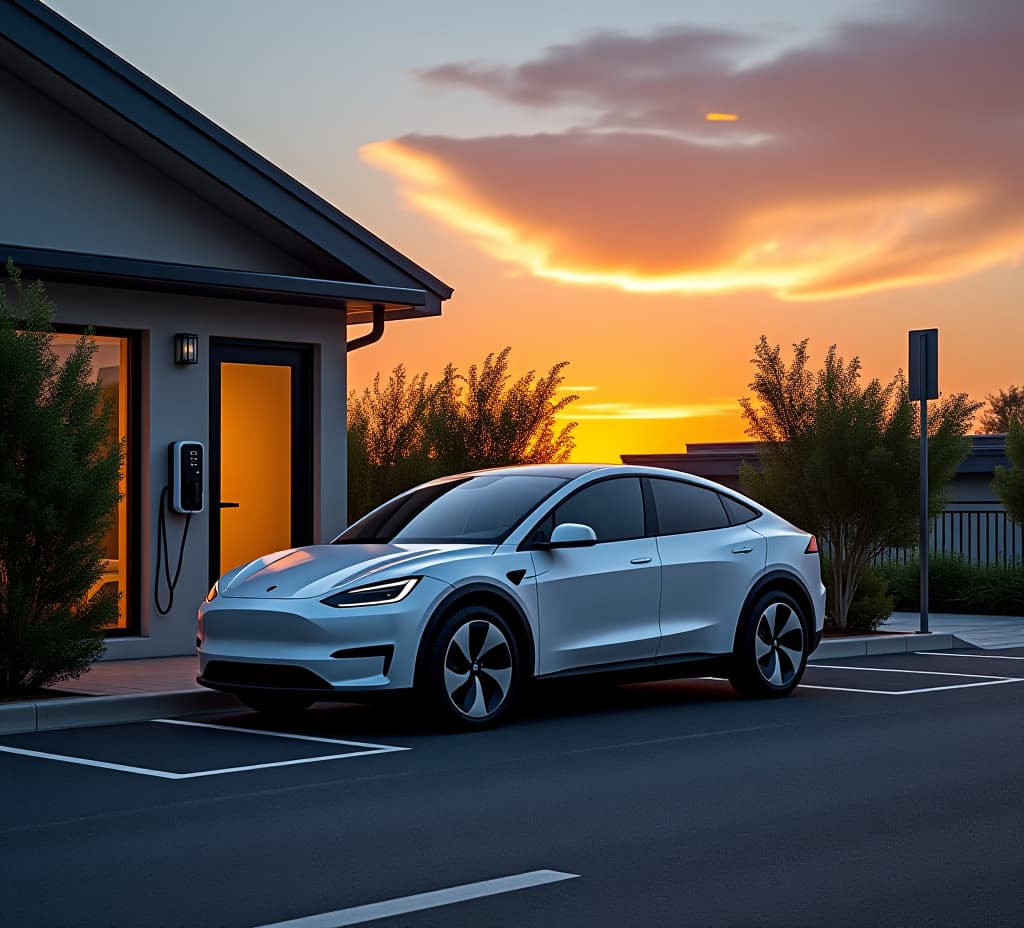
<point x="381" y="748"/>
<point x="928" y="689"/>
<point x="977" y="657"/>
<point x="173" y="775"/>
<point x="417" y="903"/>
<point x="927" y="673"/>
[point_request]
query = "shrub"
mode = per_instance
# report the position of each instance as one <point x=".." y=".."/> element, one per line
<point x="872" y="602"/>
<point x="959" y="586"/>
<point x="59" y="475"/>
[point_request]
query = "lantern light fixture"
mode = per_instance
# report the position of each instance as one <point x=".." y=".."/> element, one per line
<point x="186" y="348"/>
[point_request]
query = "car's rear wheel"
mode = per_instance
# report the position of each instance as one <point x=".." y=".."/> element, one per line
<point x="771" y="647"/>
<point x="278" y="705"/>
<point x="472" y="669"/>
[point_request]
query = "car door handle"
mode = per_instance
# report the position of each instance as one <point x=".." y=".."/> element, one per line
<point x="742" y="549"/>
<point x="641" y="560"/>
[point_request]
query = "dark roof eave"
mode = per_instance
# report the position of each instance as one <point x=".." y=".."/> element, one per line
<point x="94" y="69"/>
<point x="131" y="273"/>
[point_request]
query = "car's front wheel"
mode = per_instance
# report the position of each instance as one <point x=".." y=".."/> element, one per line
<point x="771" y="647"/>
<point x="472" y="669"/>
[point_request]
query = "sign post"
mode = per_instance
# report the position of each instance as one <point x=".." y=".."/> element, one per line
<point x="923" y="385"/>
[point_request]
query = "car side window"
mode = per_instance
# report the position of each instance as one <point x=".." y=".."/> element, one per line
<point x="684" y="507"/>
<point x="614" y="509"/>
<point x="739" y="513"/>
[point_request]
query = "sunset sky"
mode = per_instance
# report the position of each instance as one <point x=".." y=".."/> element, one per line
<point x="644" y="188"/>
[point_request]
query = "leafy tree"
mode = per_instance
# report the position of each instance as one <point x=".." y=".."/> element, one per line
<point x="387" y="447"/>
<point x="410" y="430"/>
<point x="840" y="459"/>
<point x="1009" y="482"/>
<point x="59" y="476"/>
<point x="1003" y="407"/>
<point x="481" y="420"/>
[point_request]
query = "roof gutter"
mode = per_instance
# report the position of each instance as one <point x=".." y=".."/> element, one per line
<point x="374" y="335"/>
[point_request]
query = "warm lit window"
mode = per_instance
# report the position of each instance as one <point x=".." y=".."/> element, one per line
<point x="110" y="368"/>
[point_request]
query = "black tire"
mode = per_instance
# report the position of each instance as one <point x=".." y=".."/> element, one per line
<point x="276" y="705"/>
<point x="470" y="673"/>
<point x="771" y="649"/>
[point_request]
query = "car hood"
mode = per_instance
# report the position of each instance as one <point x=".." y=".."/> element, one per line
<point x="317" y="569"/>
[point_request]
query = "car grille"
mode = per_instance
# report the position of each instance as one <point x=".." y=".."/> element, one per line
<point x="270" y="676"/>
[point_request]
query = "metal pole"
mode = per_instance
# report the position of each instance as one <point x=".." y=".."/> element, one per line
<point x="923" y="544"/>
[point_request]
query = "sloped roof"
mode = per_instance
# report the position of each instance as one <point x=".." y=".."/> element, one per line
<point x="103" y="79"/>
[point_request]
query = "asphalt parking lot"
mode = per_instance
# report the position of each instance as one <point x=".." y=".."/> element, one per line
<point x="885" y="791"/>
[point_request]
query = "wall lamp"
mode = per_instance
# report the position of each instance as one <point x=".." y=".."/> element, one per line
<point x="186" y="348"/>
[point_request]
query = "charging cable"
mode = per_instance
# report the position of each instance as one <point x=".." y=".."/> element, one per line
<point x="162" y="551"/>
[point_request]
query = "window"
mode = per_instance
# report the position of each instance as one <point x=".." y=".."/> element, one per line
<point x="480" y="510"/>
<point x="683" y="507"/>
<point x="614" y="509"/>
<point x="738" y="512"/>
<point x="111" y="366"/>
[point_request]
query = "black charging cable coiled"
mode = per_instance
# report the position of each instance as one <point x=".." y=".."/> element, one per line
<point x="162" y="551"/>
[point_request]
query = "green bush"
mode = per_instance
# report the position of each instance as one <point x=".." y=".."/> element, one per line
<point x="872" y="603"/>
<point x="958" y="586"/>
<point x="58" y="487"/>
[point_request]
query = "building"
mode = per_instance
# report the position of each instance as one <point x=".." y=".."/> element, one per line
<point x="221" y="291"/>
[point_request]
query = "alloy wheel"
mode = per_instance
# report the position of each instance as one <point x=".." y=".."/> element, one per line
<point x="478" y="668"/>
<point x="779" y="644"/>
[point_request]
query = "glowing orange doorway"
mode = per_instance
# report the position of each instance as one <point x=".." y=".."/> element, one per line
<point x="260" y="461"/>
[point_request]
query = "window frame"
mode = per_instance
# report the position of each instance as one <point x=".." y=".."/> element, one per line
<point x="527" y="545"/>
<point x="729" y="523"/>
<point x="132" y="601"/>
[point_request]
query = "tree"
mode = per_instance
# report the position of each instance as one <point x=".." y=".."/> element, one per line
<point x="840" y="459"/>
<point x="481" y="420"/>
<point x="411" y="431"/>
<point x="59" y="474"/>
<point x="1003" y="407"/>
<point x="1009" y="483"/>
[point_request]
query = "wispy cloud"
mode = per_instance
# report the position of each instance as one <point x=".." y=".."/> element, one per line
<point x="586" y="411"/>
<point x="575" y="388"/>
<point x="887" y="154"/>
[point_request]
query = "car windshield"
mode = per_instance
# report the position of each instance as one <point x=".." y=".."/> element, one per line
<point x="480" y="510"/>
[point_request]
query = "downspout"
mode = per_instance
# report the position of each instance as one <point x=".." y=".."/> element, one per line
<point x="375" y="333"/>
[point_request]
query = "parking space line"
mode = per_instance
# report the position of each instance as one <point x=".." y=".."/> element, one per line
<point x="376" y="748"/>
<point x="403" y="905"/>
<point x="976" y="657"/>
<point x="86" y="762"/>
<point x="994" y="681"/>
<point x="927" y="673"/>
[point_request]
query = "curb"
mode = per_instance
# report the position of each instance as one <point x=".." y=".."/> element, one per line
<point x="80" y="712"/>
<point x="831" y="648"/>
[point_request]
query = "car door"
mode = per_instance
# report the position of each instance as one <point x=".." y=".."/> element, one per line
<point x="708" y="565"/>
<point x="598" y="604"/>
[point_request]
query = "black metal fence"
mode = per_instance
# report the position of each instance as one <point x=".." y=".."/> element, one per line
<point x="981" y="536"/>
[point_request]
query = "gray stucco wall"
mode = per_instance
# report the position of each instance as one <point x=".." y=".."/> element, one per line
<point x="68" y="186"/>
<point x="175" y="405"/>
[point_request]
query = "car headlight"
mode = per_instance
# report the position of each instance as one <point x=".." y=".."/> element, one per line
<point x="377" y="594"/>
<point x="214" y="591"/>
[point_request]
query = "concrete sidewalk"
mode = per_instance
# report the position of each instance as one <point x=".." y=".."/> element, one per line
<point x="136" y="690"/>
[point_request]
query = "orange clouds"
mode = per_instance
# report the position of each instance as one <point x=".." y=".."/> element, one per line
<point x="887" y="155"/>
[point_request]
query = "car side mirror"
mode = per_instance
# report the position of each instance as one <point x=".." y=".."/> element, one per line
<point x="570" y="535"/>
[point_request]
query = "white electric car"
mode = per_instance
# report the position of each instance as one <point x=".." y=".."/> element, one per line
<point x="466" y="588"/>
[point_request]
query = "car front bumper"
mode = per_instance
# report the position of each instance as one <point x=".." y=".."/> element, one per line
<point x="303" y="645"/>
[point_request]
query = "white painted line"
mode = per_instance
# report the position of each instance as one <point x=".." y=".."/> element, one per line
<point x="977" y="657"/>
<point x="84" y="762"/>
<point x="379" y="748"/>
<point x="927" y="673"/>
<point x="929" y="689"/>
<point x="173" y="775"/>
<point x="406" y="904"/>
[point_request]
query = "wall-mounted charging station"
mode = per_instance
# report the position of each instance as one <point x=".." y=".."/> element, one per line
<point x="186" y="473"/>
<point x="186" y="468"/>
